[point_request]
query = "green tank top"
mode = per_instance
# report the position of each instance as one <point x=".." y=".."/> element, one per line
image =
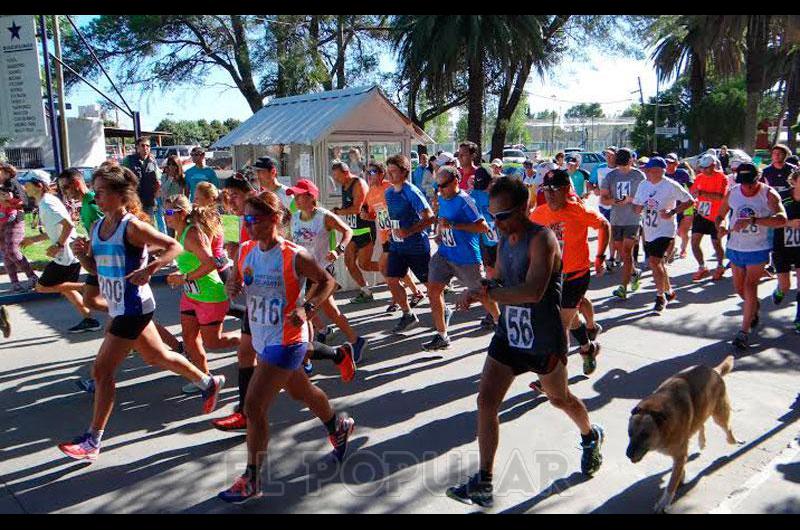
<point x="209" y="288"/>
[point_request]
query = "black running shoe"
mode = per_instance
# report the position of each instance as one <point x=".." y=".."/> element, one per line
<point x="408" y="320"/>
<point x="87" y="324"/>
<point x="595" y="331"/>
<point x="5" y="322"/>
<point x="592" y="459"/>
<point x="438" y="343"/>
<point x="473" y="492"/>
<point x="415" y="299"/>
<point x="322" y="335"/>
<point x="661" y="303"/>
<point x="742" y="340"/>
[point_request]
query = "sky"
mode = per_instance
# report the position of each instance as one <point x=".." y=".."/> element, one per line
<point x="608" y="80"/>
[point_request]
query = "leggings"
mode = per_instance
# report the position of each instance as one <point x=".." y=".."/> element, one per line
<point x="12" y="234"/>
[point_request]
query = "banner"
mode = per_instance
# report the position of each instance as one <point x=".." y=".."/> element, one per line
<point x="21" y="109"/>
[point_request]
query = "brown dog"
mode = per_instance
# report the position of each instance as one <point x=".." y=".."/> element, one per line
<point x="678" y="408"/>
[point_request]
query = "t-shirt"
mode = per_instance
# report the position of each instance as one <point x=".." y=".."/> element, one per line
<point x="579" y="178"/>
<point x="597" y="177"/>
<point x="787" y="237"/>
<point x="570" y="226"/>
<point x="777" y="178"/>
<point x="481" y="198"/>
<point x="467" y="176"/>
<point x="286" y="200"/>
<point x="682" y="177"/>
<point x="656" y="197"/>
<point x="90" y="212"/>
<point x="405" y="210"/>
<point x="416" y="176"/>
<point x="716" y="183"/>
<point x="52" y="211"/>
<point x="195" y="175"/>
<point x="149" y="175"/>
<point x="621" y="185"/>
<point x="376" y="206"/>
<point x="459" y="246"/>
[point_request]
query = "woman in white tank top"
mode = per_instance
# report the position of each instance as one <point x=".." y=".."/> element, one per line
<point x="754" y="208"/>
<point x="118" y="255"/>
<point x="311" y="227"/>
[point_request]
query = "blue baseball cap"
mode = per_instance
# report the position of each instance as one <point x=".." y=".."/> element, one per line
<point x="656" y="161"/>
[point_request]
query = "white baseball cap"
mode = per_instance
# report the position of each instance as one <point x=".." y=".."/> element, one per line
<point x="445" y="158"/>
<point x="38" y="175"/>
<point x="497" y="162"/>
<point x="707" y="161"/>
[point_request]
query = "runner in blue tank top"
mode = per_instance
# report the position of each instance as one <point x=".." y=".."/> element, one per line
<point x="118" y="255"/>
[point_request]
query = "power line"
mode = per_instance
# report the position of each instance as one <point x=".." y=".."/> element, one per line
<point x="551" y="98"/>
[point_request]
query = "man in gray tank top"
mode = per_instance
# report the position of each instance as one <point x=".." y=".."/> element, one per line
<point x="530" y="336"/>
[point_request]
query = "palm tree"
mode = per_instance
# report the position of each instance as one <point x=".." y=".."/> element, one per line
<point x="441" y="48"/>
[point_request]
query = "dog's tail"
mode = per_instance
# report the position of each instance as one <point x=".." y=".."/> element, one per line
<point x="726" y="365"/>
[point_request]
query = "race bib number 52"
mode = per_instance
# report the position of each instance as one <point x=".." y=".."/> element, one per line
<point x="519" y="327"/>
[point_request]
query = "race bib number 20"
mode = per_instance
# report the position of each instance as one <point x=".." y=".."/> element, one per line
<point x="519" y="327"/>
<point x="791" y="237"/>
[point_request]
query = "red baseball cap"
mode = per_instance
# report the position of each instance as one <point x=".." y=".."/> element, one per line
<point x="304" y="186"/>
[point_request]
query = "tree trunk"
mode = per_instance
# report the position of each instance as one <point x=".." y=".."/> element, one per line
<point x="782" y="112"/>
<point x="697" y="88"/>
<point x="755" y="72"/>
<point x="477" y="87"/>
<point x="510" y="96"/>
<point x="793" y="100"/>
<point x="340" y="80"/>
<point x="313" y="46"/>
<point x="242" y="56"/>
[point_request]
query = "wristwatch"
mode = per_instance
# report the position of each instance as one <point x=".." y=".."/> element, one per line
<point x="309" y="308"/>
<point x="339" y="249"/>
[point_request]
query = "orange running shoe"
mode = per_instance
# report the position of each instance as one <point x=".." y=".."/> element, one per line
<point x="700" y="274"/>
<point x="235" y="422"/>
<point x="719" y="272"/>
<point x="348" y="365"/>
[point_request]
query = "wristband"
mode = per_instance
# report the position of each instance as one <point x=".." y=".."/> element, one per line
<point x="309" y="308"/>
<point x="339" y="249"/>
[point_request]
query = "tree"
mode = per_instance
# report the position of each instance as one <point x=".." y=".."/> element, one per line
<point x="631" y="111"/>
<point x="585" y="110"/>
<point x="199" y="132"/>
<point x="546" y="115"/>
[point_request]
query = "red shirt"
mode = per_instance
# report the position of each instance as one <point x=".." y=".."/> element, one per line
<point x="467" y="176"/>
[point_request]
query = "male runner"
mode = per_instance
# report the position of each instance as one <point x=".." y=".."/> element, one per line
<point x="358" y="253"/>
<point x="709" y="188"/>
<point x="684" y="219"/>
<point x="618" y="190"/>
<point x="480" y="194"/>
<point x="661" y="199"/>
<point x="754" y="207"/>
<point x="529" y="338"/>
<point x="459" y="227"/>
<point x="786" y="245"/>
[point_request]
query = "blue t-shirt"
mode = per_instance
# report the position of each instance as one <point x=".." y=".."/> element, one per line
<point x="405" y="209"/>
<point x="416" y="176"/>
<point x="481" y="198"/>
<point x="195" y="175"/>
<point x="459" y="246"/>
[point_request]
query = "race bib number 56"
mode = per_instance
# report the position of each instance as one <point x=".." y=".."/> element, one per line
<point x="519" y="327"/>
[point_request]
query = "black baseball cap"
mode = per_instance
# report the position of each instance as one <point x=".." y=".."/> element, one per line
<point x="746" y="173"/>
<point x="556" y="177"/>
<point x="482" y="179"/>
<point x="265" y="162"/>
<point x="239" y="181"/>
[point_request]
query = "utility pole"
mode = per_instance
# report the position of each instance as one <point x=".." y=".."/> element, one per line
<point x="62" y="105"/>
<point x="54" y="136"/>
<point x="655" y="121"/>
<point x="641" y="94"/>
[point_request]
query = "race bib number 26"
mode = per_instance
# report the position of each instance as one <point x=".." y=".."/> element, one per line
<point x="519" y="327"/>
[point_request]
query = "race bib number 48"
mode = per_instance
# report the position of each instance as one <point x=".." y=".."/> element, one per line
<point x="352" y="220"/>
<point x="384" y="223"/>
<point x="519" y="327"/>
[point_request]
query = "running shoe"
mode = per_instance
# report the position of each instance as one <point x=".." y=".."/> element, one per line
<point x="438" y="343"/>
<point x="777" y="296"/>
<point x="474" y="491"/>
<point x="595" y="331"/>
<point x="447" y="289"/>
<point x="612" y="265"/>
<point x="407" y="321"/>
<point x="87" y="324"/>
<point x="488" y="322"/>
<point x="700" y="274"/>
<point x="18" y="288"/>
<point x="590" y="358"/>
<point x="393" y="308"/>
<point x="87" y="385"/>
<point x="347" y="366"/>
<point x="243" y="490"/>
<point x="324" y="333"/>
<point x="591" y="459"/>
<point x="344" y="429"/>
<point x="211" y="394"/>
<point x="359" y="348"/>
<point x="415" y="299"/>
<point x="5" y="322"/>
<point x="362" y="298"/>
<point x="621" y="292"/>
<point x="308" y="367"/>
<point x="671" y="296"/>
<point x="235" y="422"/>
<point x="661" y="303"/>
<point x="719" y="272"/>
<point x="636" y="278"/>
<point x="742" y="340"/>
<point x="81" y="448"/>
<point x="190" y="389"/>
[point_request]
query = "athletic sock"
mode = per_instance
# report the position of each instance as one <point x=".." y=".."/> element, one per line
<point x="485" y="476"/>
<point x="330" y="425"/>
<point x="323" y="351"/>
<point x="97" y="436"/>
<point x="205" y="382"/>
<point x="588" y="438"/>
<point x="581" y="334"/>
<point x="366" y="290"/>
<point x="251" y="472"/>
<point x="444" y="336"/>
<point x="245" y="374"/>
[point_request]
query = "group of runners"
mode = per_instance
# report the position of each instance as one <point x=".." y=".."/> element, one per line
<point x="519" y="245"/>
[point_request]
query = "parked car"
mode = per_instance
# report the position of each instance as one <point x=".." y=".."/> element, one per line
<point x="573" y="150"/>
<point x="589" y="160"/>
<point x="163" y="152"/>
<point x="693" y="160"/>
<point x="513" y="156"/>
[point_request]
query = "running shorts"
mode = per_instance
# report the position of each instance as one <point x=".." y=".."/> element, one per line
<point x="398" y="264"/>
<point x="206" y="313"/>
<point x="55" y="274"/>
<point x="784" y="258"/>
<point x="657" y="247"/>
<point x="441" y="271"/>
<point x="289" y="357"/>
<point x="701" y="225"/>
<point x="129" y="327"/>
<point x="744" y="259"/>
<point x="363" y="240"/>
<point x="522" y="361"/>
<point x="574" y="289"/>
<point x="625" y="232"/>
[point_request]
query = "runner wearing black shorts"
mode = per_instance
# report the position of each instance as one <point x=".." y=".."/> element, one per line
<point x="786" y="246"/>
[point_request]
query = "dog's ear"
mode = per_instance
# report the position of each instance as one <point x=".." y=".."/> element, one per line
<point x="636" y="410"/>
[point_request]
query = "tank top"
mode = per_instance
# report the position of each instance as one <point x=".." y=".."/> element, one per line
<point x="209" y="288"/>
<point x="116" y="258"/>
<point x="273" y="290"/>
<point x="218" y="251"/>
<point x="530" y="328"/>
<point x="754" y="237"/>
<point x="312" y="234"/>
<point x="354" y="221"/>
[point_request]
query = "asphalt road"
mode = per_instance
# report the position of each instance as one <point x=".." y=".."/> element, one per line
<point x="415" y="415"/>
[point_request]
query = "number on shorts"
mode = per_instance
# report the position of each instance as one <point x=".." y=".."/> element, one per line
<point x="651" y="218"/>
<point x="448" y="238"/>
<point x="791" y="237"/>
<point x="265" y="313"/>
<point x="519" y="326"/>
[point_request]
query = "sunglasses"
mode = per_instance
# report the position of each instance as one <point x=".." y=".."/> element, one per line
<point x="253" y="219"/>
<point x="372" y="171"/>
<point x="196" y="154"/>
<point x="501" y="216"/>
<point x="552" y="188"/>
<point x="445" y="184"/>
<point x="172" y="211"/>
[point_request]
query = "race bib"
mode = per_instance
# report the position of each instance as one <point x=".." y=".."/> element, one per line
<point x="190" y="287"/>
<point x="519" y="327"/>
<point x="558" y="230"/>
<point x="448" y="238"/>
<point x="791" y="237"/>
<point x="384" y="223"/>
<point x="704" y="208"/>
<point x="491" y="235"/>
<point x="352" y="220"/>
<point x="623" y="189"/>
<point x="395" y="225"/>
<point x="112" y="289"/>
<point x="264" y="312"/>
<point x="750" y="229"/>
<point x="651" y="218"/>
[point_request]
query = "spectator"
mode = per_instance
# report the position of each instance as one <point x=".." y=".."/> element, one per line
<point x="356" y="164"/>
<point x="467" y="155"/>
<point x="199" y="172"/>
<point x="724" y="158"/>
<point x="417" y="176"/>
<point x="777" y="173"/>
<point x="497" y="168"/>
<point x="144" y="166"/>
<point x="12" y="229"/>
